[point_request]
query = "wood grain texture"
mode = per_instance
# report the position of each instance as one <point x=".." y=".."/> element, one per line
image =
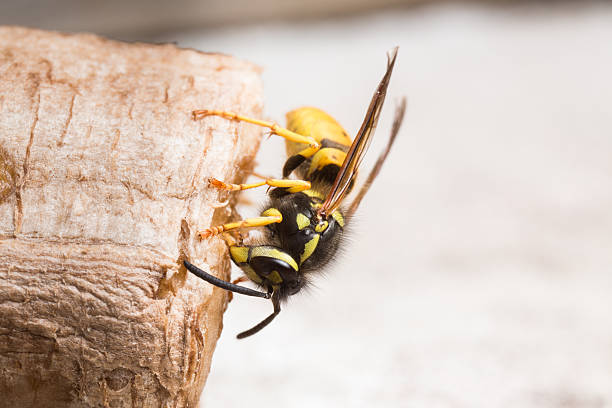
<point x="102" y="188"/>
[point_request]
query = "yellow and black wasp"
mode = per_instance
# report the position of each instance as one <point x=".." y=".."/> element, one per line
<point x="303" y="219"/>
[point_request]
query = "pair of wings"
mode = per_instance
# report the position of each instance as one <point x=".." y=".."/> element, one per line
<point x="354" y="157"/>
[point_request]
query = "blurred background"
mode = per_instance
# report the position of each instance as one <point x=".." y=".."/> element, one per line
<point x="479" y="272"/>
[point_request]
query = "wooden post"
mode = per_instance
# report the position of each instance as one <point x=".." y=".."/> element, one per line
<point x="103" y="185"/>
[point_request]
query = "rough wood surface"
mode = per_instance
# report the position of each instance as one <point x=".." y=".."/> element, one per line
<point x="102" y="187"/>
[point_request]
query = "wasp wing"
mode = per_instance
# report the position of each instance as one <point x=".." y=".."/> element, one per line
<point x="360" y="145"/>
<point x="397" y="123"/>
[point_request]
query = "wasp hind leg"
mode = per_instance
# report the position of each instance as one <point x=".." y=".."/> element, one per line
<point x="292" y="186"/>
<point x="313" y="145"/>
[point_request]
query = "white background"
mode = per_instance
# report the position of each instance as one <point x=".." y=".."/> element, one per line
<point x="479" y="274"/>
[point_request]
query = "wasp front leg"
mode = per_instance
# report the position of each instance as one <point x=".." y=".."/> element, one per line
<point x="270" y="216"/>
<point x="292" y="186"/>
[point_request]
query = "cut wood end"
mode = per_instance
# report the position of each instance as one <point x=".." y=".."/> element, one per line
<point x="103" y="186"/>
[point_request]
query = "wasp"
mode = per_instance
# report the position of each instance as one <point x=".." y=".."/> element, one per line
<point x="305" y="218"/>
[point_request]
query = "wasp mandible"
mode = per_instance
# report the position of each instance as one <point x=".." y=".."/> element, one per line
<point x="304" y="220"/>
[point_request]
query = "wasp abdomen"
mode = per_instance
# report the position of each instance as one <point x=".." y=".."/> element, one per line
<point x="332" y="137"/>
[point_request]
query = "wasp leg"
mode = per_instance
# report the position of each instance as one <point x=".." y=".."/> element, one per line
<point x="313" y="145"/>
<point x="235" y="282"/>
<point x="240" y="280"/>
<point x="247" y="223"/>
<point x="231" y="240"/>
<point x="292" y="186"/>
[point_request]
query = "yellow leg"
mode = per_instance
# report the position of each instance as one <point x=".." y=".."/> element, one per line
<point x="292" y="186"/>
<point x="313" y="145"/>
<point x="248" y="223"/>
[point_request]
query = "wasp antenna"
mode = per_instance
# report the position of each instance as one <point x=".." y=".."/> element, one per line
<point x="264" y="322"/>
<point x="223" y="284"/>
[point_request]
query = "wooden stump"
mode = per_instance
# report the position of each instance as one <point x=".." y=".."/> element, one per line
<point x="103" y="185"/>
